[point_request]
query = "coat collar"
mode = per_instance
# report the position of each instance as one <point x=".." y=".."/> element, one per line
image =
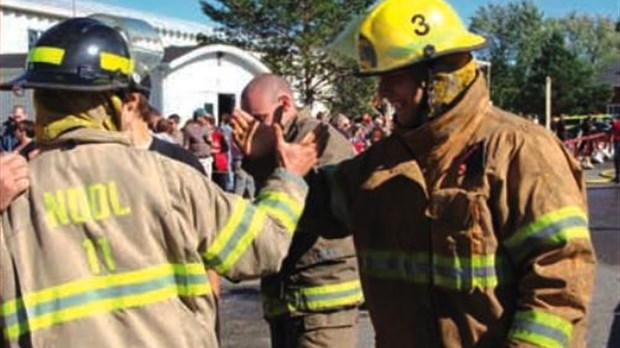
<point x="291" y="129"/>
<point x="88" y="135"/>
<point x="446" y="135"/>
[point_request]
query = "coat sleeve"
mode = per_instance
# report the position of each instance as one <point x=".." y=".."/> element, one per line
<point x="238" y="238"/>
<point x="333" y="189"/>
<point x="547" y="238"/>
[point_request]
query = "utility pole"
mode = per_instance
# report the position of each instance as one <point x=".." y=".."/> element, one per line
<point x="548" y="103"/>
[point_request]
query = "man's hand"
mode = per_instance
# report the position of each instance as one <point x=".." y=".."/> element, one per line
<point x="13" y="178"/>
<point x="244" y="128"/>
<point x="298" y="158"/>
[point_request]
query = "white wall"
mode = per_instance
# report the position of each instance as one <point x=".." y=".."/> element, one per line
<point x="198" y="77"/>
<point x="15" y="26"/>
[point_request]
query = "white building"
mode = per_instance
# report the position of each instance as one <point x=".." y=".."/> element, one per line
<point x="189" y="77"/>
<point x="210" y="76"/>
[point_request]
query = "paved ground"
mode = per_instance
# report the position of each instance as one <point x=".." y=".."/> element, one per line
<point x="243" y="326"/>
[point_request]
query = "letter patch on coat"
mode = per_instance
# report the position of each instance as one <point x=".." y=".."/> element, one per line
<point x="79" y="204"/>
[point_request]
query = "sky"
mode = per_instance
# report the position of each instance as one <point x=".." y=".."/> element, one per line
<point x="190" y="9"/>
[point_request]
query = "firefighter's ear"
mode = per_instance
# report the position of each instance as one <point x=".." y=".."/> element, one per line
<point x="285" y="101"/>
<point x="132" y="101"/>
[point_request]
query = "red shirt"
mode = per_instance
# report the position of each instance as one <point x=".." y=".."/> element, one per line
<point x="615" y="130"/>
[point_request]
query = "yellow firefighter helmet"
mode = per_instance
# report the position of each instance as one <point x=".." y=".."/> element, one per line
<point x="398" y="33"/>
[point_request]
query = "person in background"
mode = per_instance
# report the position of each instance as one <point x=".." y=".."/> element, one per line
<point x="176" y="133"/>
<point x="220" y="152"/>
<point x="197" y="139"/>
<point x="313" y="301"/>
<point x="24" y="133"/>
<point x="615" y="137"/>
<point x="229" y="181"/>
<point x="164" y="130"/>
<point x="560" y="128"/>
<point x="376" y="135"/>
<point x="244" y="182"/>
<point x="8" y="142"/>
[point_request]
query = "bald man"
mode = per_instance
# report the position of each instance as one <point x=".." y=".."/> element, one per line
<point x="313" y="301"/>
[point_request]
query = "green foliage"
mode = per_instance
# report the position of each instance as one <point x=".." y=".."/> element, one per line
<point x="352" y="96"/>
<point x="290" y="37"/>
<point x="592" y="39"/>
<point x="524" y="49"/>
<point x="574" y="90"/>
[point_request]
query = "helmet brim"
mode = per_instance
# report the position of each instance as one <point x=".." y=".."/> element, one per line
<point x="30" y="80"/>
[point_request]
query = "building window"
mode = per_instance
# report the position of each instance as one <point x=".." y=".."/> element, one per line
<point x="613" y="109"/>
<point x="33" y="36"/>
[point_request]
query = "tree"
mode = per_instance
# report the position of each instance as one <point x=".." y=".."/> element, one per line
<point x="514" y="31"/>
<point x="290" y="36"/>
<point x="574" y="89"/>
<point x="351" y="95"/>
<point x="524" y="49"/>
<point x="592" y="39"/>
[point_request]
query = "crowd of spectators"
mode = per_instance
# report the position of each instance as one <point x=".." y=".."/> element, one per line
<point x="213" y="146"/>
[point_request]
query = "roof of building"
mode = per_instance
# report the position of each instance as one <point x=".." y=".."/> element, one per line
<point x="71" y="8"/>
<point x="173" y="52"/>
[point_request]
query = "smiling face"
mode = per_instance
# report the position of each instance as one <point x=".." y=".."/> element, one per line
<point x="403" y="89"/>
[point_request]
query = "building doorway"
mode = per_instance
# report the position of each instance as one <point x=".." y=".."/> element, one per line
<point x="225" y="104"/>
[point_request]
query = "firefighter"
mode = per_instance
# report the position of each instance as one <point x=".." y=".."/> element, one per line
<point x="470" y="223"/>
<point x="108" y="247"/>
<point x="313" y="301"/>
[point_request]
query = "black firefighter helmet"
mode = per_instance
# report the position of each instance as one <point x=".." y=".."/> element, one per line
<point x="80" y="54"/>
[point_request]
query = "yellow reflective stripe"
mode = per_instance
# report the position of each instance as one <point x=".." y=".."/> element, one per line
<point x="114" y="62"/>
<point x="258" y="221"/>
<point x="541" y="328"/>
<point x="283" y="197"/>
<point x="238" y="211"/>
<point x="331" y="295"/>
<point x="94" y="283"/>
<point x="544" y="221"/>
<point x="315" y="298"/>
<point x="170" y="281"/>
<point x="329" y="288"/>
<point x="283" y="218"/>
<point x="465" y="272"/>
<point x="46" y="54"/>
<point x="282" y="207"/>
<point x="234" y="239"/>
<point x="91" y="308"/>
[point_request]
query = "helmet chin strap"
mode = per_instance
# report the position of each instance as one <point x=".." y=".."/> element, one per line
<point x="441" y="90"/>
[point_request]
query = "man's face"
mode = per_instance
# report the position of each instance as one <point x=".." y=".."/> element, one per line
<point x="260" y="106"/>
<point x="19" y="114"/>
<point x="403" y="90"/>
